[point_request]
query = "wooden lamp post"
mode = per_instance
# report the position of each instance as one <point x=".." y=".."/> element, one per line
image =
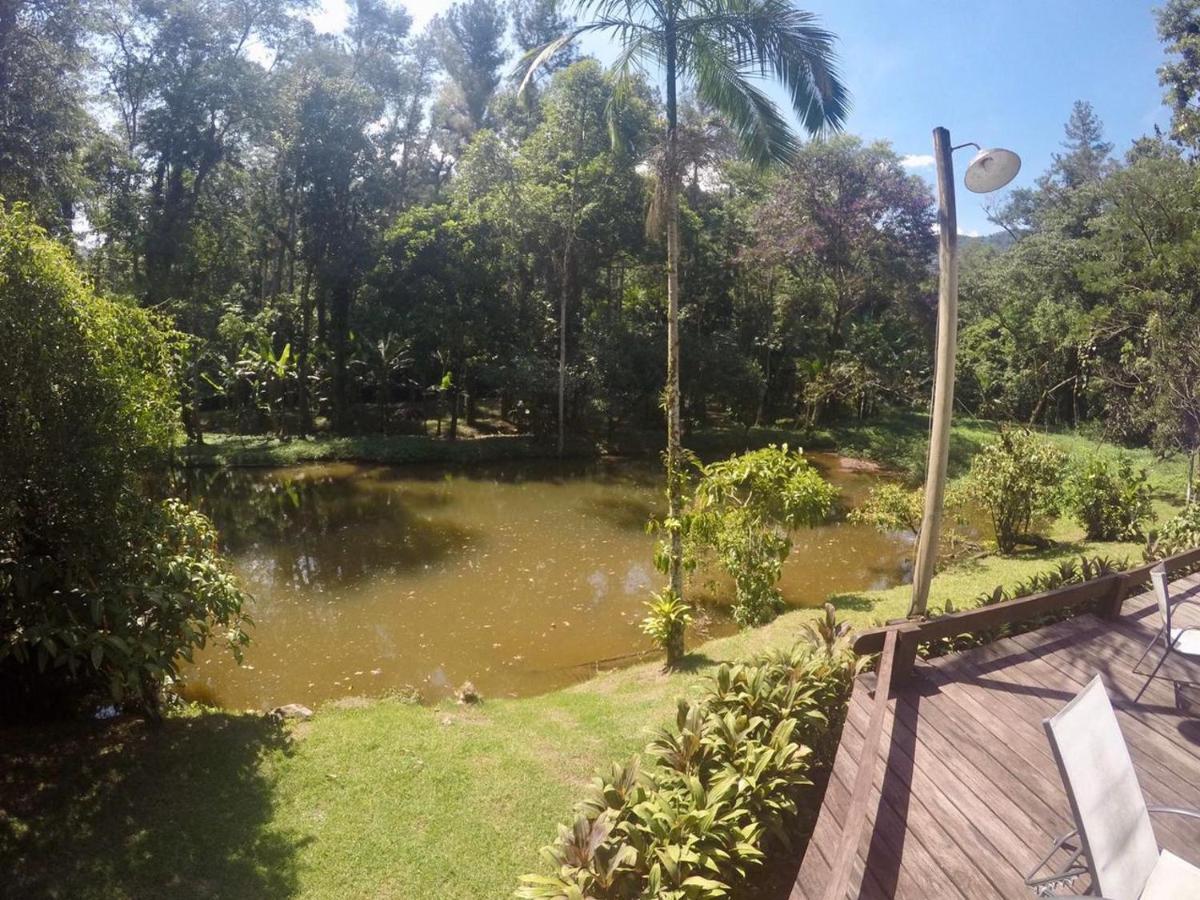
<point x="990" y="170"/>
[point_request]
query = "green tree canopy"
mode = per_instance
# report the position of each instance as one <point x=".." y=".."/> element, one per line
<point x="102" y="588"/>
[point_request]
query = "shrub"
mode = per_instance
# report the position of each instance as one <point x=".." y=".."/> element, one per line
<point x="742" y="513"/>
<point x="890" y="507"/>
<point x="1015" y="478"/>
<point x="666" y="622"/>
<point x="722" y="786"/>
<point x="101" y="586"/>
<point x="1177" y="534"/>
<point x="1110" y="500"/>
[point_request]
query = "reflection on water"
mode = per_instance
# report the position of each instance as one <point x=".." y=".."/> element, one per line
<point x="519" y="577"/>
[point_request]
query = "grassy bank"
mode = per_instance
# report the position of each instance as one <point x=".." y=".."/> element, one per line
<point x="389" y="799"/>
<point x="898" y="439"/>
<point x="399" y="449"/>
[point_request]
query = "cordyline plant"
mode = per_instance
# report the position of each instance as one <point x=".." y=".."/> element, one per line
<point x="723" y="785"/>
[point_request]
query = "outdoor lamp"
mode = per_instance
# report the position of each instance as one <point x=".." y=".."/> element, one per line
<point x="990" y="170"/>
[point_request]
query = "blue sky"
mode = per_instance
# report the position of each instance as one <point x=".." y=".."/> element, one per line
<point x="997" y="73"/>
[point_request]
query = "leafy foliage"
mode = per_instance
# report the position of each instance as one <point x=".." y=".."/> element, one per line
<point x="1178" y="28"/>
<point x="101" y="587"/>
<point x="1182" y="532"/>
<point x="1109" y="499"/>
<point x="1015" y="479"/>
<point x="722" y="788"/>
<point x="891" y="507"/>
<point x="666" y="622"/>
<point x="742" y="512"/>
<point x="827" y="633"/>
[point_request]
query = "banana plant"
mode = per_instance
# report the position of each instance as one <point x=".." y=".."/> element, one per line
<point x="386" y="358"/>
<point x="272" y="378"/>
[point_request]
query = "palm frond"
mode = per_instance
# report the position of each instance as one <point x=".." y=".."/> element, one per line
<point x="763" y="133"/>
<point x="612" y="9"/>
<point x="643" y="47"/>
<point x="771" y="38"/>
<point x="528" y="65"/>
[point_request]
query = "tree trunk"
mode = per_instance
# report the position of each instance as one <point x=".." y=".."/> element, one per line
<point x="1191" y="472"/>
<point x="339" y="326"/>
<point x="306" y="426"/>
<point x="562" y="364"/>
<point x="381" y="399"/>
<point x="674" y="438"/>
<point x="568" y="263"/>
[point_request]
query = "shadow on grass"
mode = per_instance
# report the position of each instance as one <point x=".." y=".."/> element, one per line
<point x="695" y="662"/>
<point x="127" y="810"/>
<point x="853" y="601"/>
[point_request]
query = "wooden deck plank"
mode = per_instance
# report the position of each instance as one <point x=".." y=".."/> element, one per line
<point x="815" y="867"/>
<point x="950" y="838"/>
<point x="1156" y="779"/>
<point x="966" y="796"/>
<point x="833" y="813"/>
<point x="1038" y="673"/>
<point x="1149" y="703"/>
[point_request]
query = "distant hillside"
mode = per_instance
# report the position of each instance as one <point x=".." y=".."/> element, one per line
<point x="1001" y="240"/>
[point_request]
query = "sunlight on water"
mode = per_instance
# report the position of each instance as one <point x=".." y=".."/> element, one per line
<point x="520" y="578"/>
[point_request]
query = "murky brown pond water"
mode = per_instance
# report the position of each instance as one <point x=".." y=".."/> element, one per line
<point x="521" y="577"/>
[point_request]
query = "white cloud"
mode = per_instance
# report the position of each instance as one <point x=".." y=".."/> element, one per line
<point x="917" y="161"/>
<point x="330" y="16"/>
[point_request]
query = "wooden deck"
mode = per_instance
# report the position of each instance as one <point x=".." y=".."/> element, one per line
<point x="966" y="797"/>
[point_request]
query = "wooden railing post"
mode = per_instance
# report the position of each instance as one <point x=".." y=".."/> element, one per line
<point x="1109" y="605"/>
<point x="908" y="637"/>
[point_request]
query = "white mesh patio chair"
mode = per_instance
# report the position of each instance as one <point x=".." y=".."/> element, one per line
<point x="1114" y="841"/>
<point x="1180" y="640"/>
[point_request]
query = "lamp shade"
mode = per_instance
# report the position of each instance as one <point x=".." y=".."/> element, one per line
<point x="991" y="170"/>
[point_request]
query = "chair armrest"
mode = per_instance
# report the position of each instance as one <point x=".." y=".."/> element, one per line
<point x="1175" y="811"/>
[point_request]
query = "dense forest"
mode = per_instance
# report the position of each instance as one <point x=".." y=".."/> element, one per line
<point x="372" y="230"/>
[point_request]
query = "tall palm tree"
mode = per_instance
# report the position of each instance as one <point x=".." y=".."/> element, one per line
<point x="725" y="49"/>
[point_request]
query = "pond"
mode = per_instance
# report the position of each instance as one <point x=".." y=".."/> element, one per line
<point x="521" y="577"/>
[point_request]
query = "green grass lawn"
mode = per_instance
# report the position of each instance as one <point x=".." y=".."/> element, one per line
<point x="386" y="798"/>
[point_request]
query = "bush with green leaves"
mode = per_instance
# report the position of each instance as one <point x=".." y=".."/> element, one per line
<point x="742" y="514"/>
<point x="666" y="622"/>
<point x="1110" y="499"/>
<point x="722" y="788"/>
<point x="891" y="507"/>
<point x="1177" y="534"/>
<point x="1015" y="479"/>
<point x="102" y="586"/>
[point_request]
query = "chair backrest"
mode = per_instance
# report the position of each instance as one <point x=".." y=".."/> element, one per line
<point x="1106" y="799"/>
<point x="1158" y="577"/>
